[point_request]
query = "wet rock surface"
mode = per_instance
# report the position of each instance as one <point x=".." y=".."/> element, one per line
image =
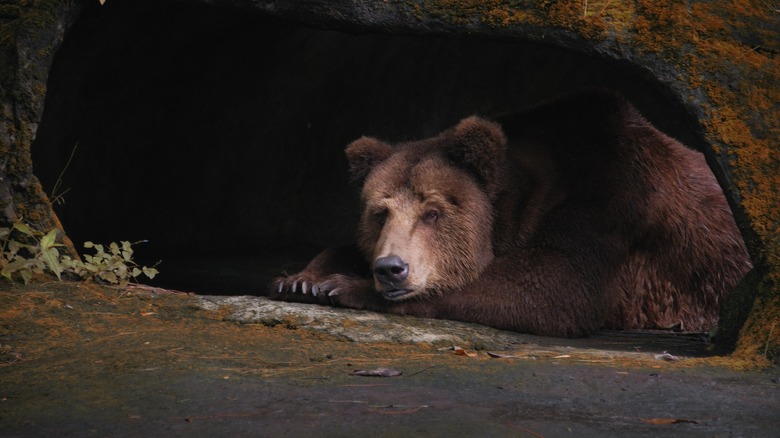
<point x="85" y="360"/>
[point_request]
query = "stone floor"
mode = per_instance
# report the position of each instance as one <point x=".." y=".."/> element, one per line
<point x="86" y="360"/>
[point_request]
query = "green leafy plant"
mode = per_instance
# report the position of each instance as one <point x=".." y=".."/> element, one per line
<point x="115" y="266"/>
<point x="26" y="251"/>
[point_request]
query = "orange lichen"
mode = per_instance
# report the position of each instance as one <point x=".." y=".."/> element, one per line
<point x="741" y="82"/>
<point x="760" y="337"/>
<point x="572" y="15"/>
<point x="652" y="25"/>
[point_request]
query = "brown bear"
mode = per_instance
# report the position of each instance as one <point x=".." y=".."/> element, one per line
<point x="577" y="215"/>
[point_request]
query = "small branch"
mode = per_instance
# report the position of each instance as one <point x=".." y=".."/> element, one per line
<point x="769" y="338"/>
<point x="418" y="372"/>
<point x="747" y="53"/>
<point x="57" y="185"/>
<point x="605" y="7"/>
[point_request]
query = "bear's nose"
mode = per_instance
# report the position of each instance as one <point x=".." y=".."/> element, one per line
<point x="390" y="270"/>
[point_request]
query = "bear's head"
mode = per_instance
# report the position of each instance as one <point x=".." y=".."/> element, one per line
<point x="427" y="205"/>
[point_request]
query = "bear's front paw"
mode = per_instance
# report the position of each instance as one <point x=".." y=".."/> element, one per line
<point x="336" y="289"/>
<point x="301" y="287"/>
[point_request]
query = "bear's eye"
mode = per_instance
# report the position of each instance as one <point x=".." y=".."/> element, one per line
<point x="430" y="217"/>
<point x="380" y="217"/>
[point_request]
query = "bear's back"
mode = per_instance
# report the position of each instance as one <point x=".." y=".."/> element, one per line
<point x="630" y="204"/>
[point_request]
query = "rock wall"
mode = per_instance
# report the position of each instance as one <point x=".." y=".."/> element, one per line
<point x="719" y="59"/>
<point x="30" y="33"/>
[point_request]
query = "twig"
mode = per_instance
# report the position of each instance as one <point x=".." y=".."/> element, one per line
<point x="379" y="410"/>
<point x="605" y="7"/>
<point x="418" y="372"/>
<point x="58" y="198"/>
<point x="747" y="53"/>
<point x="769" y="338"/>
<point x="528" y="431"/>
<point x="771" y="8"/>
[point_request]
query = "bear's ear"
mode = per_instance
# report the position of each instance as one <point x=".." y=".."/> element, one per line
<point x="479" y="146"/>
<point x="364" y="154"/>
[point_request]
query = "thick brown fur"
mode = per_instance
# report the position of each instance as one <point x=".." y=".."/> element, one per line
<point x="575" y="216"/>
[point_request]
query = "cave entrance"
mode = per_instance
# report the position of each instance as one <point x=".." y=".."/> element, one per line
<point x="218" y="134"/>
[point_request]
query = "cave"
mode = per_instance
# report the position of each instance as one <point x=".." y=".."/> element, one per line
<point x="216" y="135"/>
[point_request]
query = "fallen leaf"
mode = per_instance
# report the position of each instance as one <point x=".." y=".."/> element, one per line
<point x="667" y="357"/>
<point x="461" y="352"/>
<point x="378" y="372"/>
<point x="500" y="356"/>
<point x="668" y="421"/>
<point x="395" y="410"/>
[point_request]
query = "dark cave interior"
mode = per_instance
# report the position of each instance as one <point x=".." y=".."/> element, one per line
<point x="218" y="134"/>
